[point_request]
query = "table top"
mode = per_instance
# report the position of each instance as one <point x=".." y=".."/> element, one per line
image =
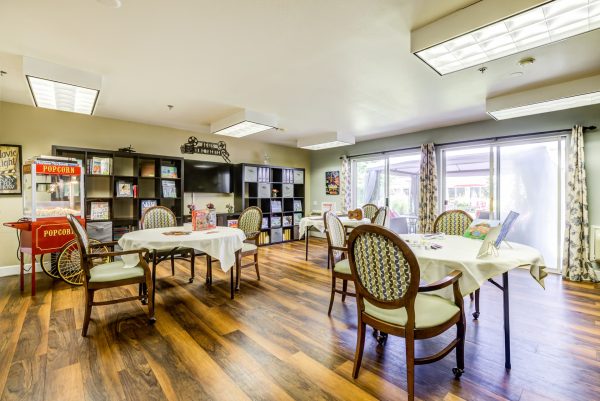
<point x="318" y="223"/>
<point x="221" y="242"/>
<point x="460" y="253"/>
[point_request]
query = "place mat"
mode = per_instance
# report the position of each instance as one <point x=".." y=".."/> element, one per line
<point x="177" y="233"/>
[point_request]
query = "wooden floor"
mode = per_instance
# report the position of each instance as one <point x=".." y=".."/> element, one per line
<point x="276" y="342"/>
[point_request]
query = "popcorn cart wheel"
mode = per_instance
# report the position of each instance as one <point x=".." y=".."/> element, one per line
<point x="69" y="261"/>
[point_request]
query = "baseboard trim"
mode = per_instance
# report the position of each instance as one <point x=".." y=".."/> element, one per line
<point x="14" y="269"/>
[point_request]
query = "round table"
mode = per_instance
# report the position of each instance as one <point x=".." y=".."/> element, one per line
<point x="222" y="243"/>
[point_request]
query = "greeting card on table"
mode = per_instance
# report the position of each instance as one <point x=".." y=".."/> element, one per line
<point x="201" y="220"/>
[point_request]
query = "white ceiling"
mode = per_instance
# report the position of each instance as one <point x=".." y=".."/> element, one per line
<point x="321" y="66"/>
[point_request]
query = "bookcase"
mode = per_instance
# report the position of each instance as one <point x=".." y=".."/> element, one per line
<point x="119" y="186"/>
<point x="279" y="192"/>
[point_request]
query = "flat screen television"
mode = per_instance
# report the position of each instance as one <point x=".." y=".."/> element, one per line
<point x="203" y="176"/>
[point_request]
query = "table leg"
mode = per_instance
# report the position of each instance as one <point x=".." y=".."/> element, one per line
<point x="306" y="242"/>
<point x="32" y="275"/>
<point x="22" y="275"/>
<point x="231" y="282"/>
<point x="153" y="277"/>
<point x="506" y="321"/>
<point x="238" y="269"/>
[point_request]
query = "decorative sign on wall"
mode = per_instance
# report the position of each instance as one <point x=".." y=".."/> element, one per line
<point x="10" y="170"/>
<point x="332" y="182"/>
<point x="193" y="145"/>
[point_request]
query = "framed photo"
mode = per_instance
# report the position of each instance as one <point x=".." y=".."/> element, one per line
<point x="332" y="182"/>
<point x="10" y="170"/>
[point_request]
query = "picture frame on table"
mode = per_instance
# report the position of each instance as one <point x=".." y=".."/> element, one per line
<point x="11" y="177"/>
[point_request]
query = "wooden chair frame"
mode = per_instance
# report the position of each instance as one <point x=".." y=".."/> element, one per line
<point x="187" y="254"/>
<point x="383" y="210"/>
<point x="409" y="331"/>
<point x="367" y="205"/>
<point x="331" y="262"/>
<point x="87" y="264"/>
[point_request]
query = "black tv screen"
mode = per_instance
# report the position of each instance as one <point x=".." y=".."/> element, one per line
<point x="203" y="176"/>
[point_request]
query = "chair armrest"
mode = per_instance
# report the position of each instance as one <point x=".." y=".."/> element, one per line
<point x="107" y="244"/>
<point x="339" y="248"/>
<point x="445" y="282"/>
<point x="120" y="253"/>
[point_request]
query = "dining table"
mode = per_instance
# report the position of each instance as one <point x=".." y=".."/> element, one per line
<point x="439" y="254"/>
<point x="318" y="224"/>
<point x="222" y="243"/>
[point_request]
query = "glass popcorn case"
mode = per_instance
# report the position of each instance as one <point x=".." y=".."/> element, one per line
<point x="52" y="187"/>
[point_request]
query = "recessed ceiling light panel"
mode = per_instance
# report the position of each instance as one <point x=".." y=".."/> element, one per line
<point x="325" y="141"/>
<point x="243" y="123"/>
<point x="547" y="23"/>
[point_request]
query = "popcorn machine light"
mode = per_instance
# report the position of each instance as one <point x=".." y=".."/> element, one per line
<point x="53" y="187"/>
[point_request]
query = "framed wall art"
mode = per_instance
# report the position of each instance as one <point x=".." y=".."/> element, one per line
<point x="332" y="182"/>
<point x="10" y="170"/>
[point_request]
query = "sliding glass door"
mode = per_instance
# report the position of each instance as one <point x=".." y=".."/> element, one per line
<point x="391" y="180"/>
<point x="526" y="176"/>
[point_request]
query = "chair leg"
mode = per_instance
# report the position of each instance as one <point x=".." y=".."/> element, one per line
<point x="476" y="313"/>
<point x="256" y="265"/>
<point x="89" y="299"/>
<point x="471" y="296"/>
<point x="238" y="273"/>
<point x="192" y="266"/>
<point x="460" y="348"/>
<point x="208" y="270"/>
<point x="172" y="265"/>
<point x="150" y="297"/>
<point x="360" y="346"/>
<point x="410" y="367"/>
<point x="332" y="294"/>
<point x="344" y="289"/>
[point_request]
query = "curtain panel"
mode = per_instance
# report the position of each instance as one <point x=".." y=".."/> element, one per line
<point x="346" y="185"/>
<point x="576" y="246"/>
<point x="428" y="189"/>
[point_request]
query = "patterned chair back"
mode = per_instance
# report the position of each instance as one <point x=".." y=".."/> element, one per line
<point x="83" y="242"/>
<point x="452" y="222"/>
<point x="380" y="216"/>
<point x="385" y="270"/>
<point x="158" y="217"/>
<point x="369" y="211"/>
<point x="250" y="221"/>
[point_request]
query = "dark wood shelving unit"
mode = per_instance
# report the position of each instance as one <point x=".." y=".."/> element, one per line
<point x="253" y="186"/>
<point x="134" y="168"/>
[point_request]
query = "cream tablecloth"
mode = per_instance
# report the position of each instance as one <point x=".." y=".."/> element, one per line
<point x="317" y="223"/>
<point x="460" y="253"/>
<point x="220" y="243"/>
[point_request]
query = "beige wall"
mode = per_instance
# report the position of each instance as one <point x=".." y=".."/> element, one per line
<point x="38" y="129"/>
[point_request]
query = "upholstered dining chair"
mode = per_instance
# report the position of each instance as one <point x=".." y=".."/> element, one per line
<point x="336" y="254"/>
<point x="103" y="275"/>
<point x="369" y="210"/>
<point x="380" y="216"/>
<point x="456" y="222"/>
<point x="163" y="217"/>
<point x="452" y="222"/>
<point x="388" y="296"/>
<point x="249" y="222"/>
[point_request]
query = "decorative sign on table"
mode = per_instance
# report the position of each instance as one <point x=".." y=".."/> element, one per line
<point x="332" y="182"/>
<point x="193" y="145"/>
<point x="204" y="219"/>
<point x="10" y="170"/>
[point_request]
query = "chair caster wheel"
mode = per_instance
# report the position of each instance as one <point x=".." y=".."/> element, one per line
<point x="191" y="280"/>
<point x="457" y="372"/>
<point x="475" y="315"/>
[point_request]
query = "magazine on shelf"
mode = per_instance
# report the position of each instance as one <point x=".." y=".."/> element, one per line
<point x="147" y="169"/>
<point x="288" y="221"/>
<point x="124" y="189"/>
<point x="265" y="222"/>
<point x="297" y="205"/>
<point x="275" y="221"/>
<point x="297" y="218"/>
<point x="275" y="206"/>
<point x="99" y="211"/>
<point x="147" y="204"/>
<point x="99" y="166"/>
<point x="169" y="189"/>
<point x="168" y="171"/>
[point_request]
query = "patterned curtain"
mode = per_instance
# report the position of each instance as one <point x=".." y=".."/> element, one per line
<point x="346" y="186"/>
<point x="576" y="248"/>
<point x="428" y="189"/>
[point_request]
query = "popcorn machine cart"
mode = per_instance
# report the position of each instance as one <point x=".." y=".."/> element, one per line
<point x="52" y="189"/>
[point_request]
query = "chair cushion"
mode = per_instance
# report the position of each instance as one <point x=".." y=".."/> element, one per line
<point x="246" y="247"/>
<point x="114" y="271"/>
<point x="430" y="311"/>
<point x="343" y="266"/>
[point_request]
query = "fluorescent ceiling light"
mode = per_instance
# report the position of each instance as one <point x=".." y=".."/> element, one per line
<point x="243" y="123"/>
<point x="546" y="23"/>
<point x="325" y="141"/>
<point x="61" y="88"/>
<point x="58" y="96"/>
<point x="567" y="95"/>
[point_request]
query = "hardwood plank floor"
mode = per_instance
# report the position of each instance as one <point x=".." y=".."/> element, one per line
<point x="276" y="342"/>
